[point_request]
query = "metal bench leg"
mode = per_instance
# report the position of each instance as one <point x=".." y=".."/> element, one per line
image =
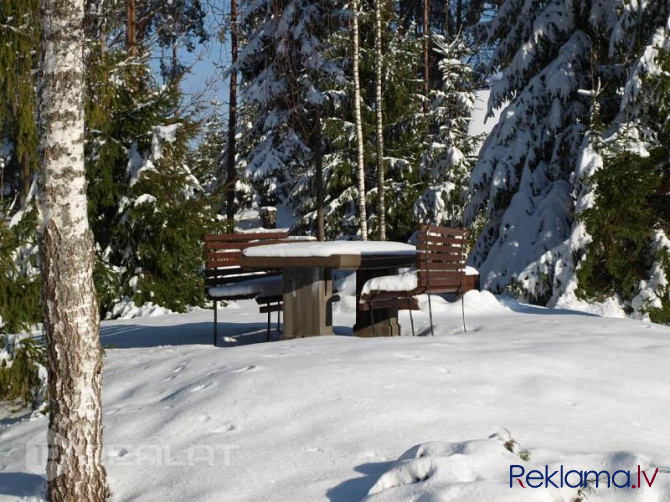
<point x="278" y="318"/>
<point x="215" y="323"/>
<point x="465" y="329"/>
<point x="372" y="318"/>
<point x="269" y="321"/>
<point x="411" y="318"/>
<point x="430" y="312"/>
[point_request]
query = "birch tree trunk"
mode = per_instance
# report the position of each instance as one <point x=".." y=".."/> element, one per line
<point x="379" y="99"/>
<point x="360" y="170"/>
<point x="231" y="172"/>
<point x="71" y="321"/>
<point x="320" y="189"/>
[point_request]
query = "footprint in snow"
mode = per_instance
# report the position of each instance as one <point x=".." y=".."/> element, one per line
<point x="119" y="452"/>
<point x="215" y="372"/>
<point x="246" y="368"/>
<point x="224" y="428"/>
<point x="408" y="356"/>
<point x="201" y="387"/>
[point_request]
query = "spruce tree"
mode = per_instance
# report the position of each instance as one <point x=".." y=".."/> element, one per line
<point x="161" y="211"/>
<point x="448" y="159"/>
<point x="209" y="160"/>
<point x="19" y="32"/>
<point x="19" y="273"/>
<point x="625" y="192"/>
<point x="522" y="185"/>
<point x="281" y="67"/>
<point x="147" y="208"/>
<point x="19" y="276"/>
<point x="580" y="80"/>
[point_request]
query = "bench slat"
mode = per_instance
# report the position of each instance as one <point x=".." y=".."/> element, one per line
<point x="245" y="237"/>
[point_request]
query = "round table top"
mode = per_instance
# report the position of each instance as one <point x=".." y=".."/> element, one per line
<point x="330" y="254"/>
<point x="330" y="248"/>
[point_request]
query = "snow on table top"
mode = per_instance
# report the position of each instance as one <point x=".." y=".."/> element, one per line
<point x="331" y="248"/>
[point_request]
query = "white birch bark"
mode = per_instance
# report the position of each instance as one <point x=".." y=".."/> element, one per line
<point x="231" y="171"/>
<point x="360" y="170"/>
<point x="71" y="319"/>
<point x="379" y="66"/>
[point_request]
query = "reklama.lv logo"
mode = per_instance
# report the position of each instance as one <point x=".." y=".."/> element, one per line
<point x="577" y="479"/>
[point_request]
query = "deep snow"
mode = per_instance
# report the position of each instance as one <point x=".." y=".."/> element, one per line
<point x="328" y="418"/>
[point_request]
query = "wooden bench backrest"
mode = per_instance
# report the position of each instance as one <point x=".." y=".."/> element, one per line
<point x="223" y="252"/>
<point x="441" y="255"/>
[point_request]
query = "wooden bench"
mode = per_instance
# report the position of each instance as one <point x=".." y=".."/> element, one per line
<point x="440" y="269"/>
<point x="225" y="279"/>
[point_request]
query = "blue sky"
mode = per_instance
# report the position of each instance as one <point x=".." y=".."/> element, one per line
<point x="206" y="64"/>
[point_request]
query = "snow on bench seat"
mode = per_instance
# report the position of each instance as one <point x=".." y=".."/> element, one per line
<point x="405" y="281"/>
<point x="402" y="282"/>
<point x="225" y="279"/>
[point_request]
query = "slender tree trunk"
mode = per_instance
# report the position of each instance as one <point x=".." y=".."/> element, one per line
<point x="131" y="28"/>
<point x="459" y="16"/>
<point x="24" y="174"/>
<point x="175" y="61"/>
<point x="175" y="71"/>
<point x="318" y="164"/>
<point x="26" y="179"/>
<point x="379" y="98"/>
<point x="231" y="172"/>
<point x="360" y="170"/>
<point x="141" y="19"/>
<point x="71" y="319"/>
<point x="426" y="55"/>
<point x="447" y="19"/>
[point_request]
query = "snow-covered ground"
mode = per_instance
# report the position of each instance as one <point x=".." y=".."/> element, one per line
<point x="341" y="418"/>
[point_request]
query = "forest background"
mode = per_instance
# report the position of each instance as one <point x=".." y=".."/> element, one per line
<point x="567" y="198"/>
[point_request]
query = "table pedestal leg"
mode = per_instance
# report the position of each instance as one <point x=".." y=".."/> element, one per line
<point x="386" y="319"/>
<point x="308" y="309"/>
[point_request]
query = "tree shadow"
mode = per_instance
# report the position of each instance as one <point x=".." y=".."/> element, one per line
<point x="22" y="484"/>
<point x="357" y="488"/>
<point x="230" y="334"/>
<point x="525" y="308"/>
<point x="131" y="336"/>
<point x="17" y="415"/>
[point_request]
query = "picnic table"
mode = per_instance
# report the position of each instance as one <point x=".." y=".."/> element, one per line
<point x="308" y="287"/>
